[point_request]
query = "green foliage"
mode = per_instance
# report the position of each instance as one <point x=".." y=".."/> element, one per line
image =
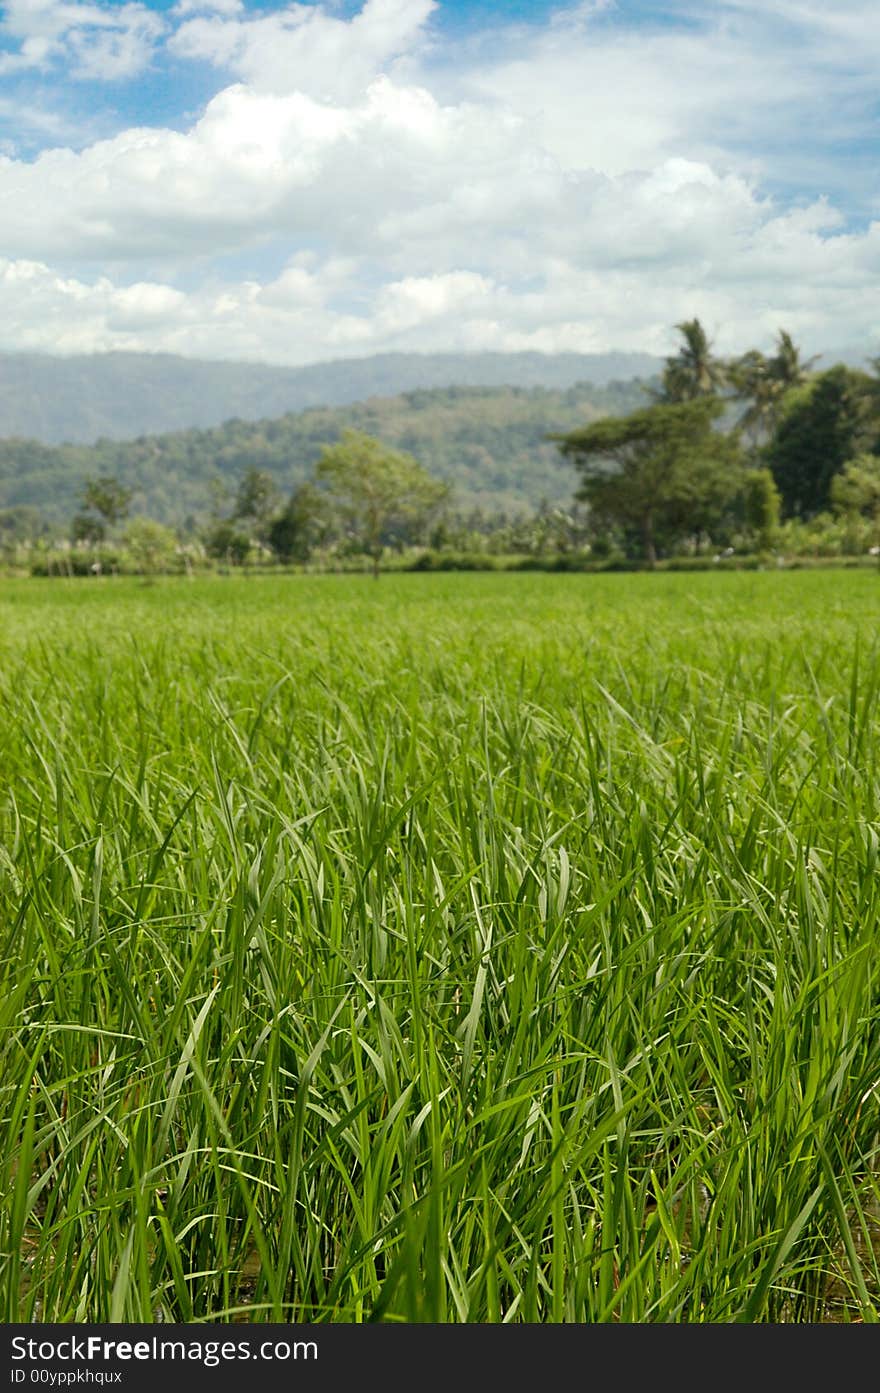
<point x="512" y="487"/>
<point x="86" y="528"/>
<point x="821" y="426"/>
<point x="693" y="372"/>
<point x="304" y="523"/>
<point x="761" y="505"/>
<point x="379" y="494"/>
<point x="763" y="383"/>
<point x="256" y="499"/>
<point x="489" y="444"/>
<point x="226" y="541"/>
<point x="856" y="489"/>
<point x="21" y="524"/>
<point x="106" y="496"/>
<point x="826" y="535"/>
<point x="152" y="547"/>
<point x="662" y="470"/>
<point x="95" y="561"/>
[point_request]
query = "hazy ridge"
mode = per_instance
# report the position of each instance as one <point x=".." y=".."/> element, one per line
<point x="490" y="443"/>
<point x="120" y="396"/>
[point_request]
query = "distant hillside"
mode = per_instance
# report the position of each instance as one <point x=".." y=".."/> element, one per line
<point x="123" y="395"/>
<point x="490" y="443"/>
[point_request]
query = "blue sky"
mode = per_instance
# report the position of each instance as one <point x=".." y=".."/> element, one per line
<point x="300" y="182"/>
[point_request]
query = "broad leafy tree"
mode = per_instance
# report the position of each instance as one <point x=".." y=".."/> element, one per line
<point x="109" y="498"/>
<point x="664" y="470"/>
<point x="87" y="529"/>
<point x="822" y="425"/>
<point x="256" y="500"/>
<point x="856" y="489"/>
<point x="152" y="546"/>
<point x="226" y="541"/>
<point x="302" y="524"/>
<point x="376" y="491"/>
<point x="761" y="505"/>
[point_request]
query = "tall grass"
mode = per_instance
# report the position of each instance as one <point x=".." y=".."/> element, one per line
<point x="454" y="949"/>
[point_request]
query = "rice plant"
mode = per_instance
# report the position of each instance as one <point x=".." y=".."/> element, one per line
<point x="458" y="948"/>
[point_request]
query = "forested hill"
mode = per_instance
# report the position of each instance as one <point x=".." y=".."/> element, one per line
<point x="490" y="443"/>
<point x="123" y="395"/>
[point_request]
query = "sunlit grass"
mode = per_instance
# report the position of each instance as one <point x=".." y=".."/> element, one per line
<point x="494" y="948"/>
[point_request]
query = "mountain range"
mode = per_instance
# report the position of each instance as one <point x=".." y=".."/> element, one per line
<point x="180" y="433"/>
<point x="120" y="396"/>
<point x="490" y="443"/>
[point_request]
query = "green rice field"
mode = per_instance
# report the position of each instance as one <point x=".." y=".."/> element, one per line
<point x="448" y="948"/>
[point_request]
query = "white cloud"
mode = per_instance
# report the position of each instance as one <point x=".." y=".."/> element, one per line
<point x="765" y="89"/>
<point x="586" y="189"/>
<point x="789" y="273"/>
<point x="221" y="7"/>
<point x="418" y="301"/>
<point x="109" y="42"/>
<point x="416" y="187"/>
<point x="33" y="117"/>
<point x="257" y="166"/>
<point x="305" y="49"/>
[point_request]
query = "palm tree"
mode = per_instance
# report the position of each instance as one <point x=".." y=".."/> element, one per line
<point x="692" y="372"/>
<point x="764" y="382"/>
<point x="787" y="368"/>
<point x="752" y="382"/>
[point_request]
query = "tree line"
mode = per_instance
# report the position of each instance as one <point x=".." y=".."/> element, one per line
<point x="364" y="496"/>
<point x="739" y="444"/>
<point x="740" y="450"/>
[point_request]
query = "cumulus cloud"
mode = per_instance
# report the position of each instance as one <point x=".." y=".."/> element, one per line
<point x="396" y="177"/>
<point x="579" y="191"/>
<point x="394" y="166"/>
<point x="786" y="270"/>
<point x="304" y="48"/>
